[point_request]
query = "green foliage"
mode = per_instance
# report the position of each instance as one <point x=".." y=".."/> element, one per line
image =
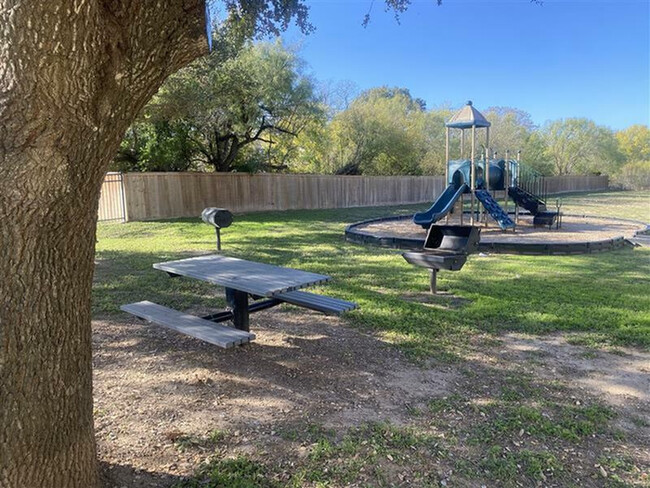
<point x="534" y="154"/>
<point x="432" y="126"/>
<point x="160" y="146"/>
<point x="377" y="134"/>
<point x="256" y="96"/>
<point x="262" y="18"/>
<point x="567" y="423"/>
<point x="634" y="143"/>
<point x="510" y="129"/>
<point x="578" y="145"/>
<point x="634" y="176"/>
<point x="240" y="108"/>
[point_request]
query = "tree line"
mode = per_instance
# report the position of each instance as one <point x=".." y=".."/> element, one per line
<point x="250" y="107"/>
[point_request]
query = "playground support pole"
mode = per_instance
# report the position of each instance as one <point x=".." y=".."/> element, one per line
<point x="487" y="168"/>
<point x="517" y="179"/>
<point x="447" y="155"/>
<point x="447" y="166"/>
<point x="506" y="184"/>
<point x="483" y="215"/>
<point x="473" y="171"/>
<point x="487" y="159"/>
<point x="462" y="143"/>
<point x="462" y="208"/>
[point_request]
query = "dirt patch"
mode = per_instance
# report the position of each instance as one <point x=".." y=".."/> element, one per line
<point x="152" y="384"/>
<point x="165" y="403"/>
<point x="442" y="300"/>
<point x="618" y="377"/>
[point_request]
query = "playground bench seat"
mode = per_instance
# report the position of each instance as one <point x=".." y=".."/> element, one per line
<point x="320" y="303"/>
<point x="205" y="330"/>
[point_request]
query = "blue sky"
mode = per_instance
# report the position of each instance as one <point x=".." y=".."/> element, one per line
<point x="562" y="59"/>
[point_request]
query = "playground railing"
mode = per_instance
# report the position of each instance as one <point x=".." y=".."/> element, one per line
<point x="532" y="181"/>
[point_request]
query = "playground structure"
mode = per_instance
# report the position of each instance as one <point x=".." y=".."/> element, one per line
<point x="492" y="184"/>
<point x="447" y="247"/>
<point x="483" y="179"/>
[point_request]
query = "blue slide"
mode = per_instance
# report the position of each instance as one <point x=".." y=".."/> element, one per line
<point x="441" y="207"/>
<point x="495" y="210"/>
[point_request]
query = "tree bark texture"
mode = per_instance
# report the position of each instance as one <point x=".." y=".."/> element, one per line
<point x="73" y="76"/>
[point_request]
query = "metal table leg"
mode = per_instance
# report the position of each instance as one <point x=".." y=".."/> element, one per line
<point x="238" y="302"/>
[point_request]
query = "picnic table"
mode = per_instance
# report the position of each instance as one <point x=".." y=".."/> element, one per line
<point x="266" y="285"/>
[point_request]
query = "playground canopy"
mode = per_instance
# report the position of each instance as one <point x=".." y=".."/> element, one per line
<point x="468" y="117"/>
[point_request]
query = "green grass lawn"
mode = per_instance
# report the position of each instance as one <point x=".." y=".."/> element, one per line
<point x="602" y="298"/>
<point x="634" y="205"/>
<point x="502" y="424"/>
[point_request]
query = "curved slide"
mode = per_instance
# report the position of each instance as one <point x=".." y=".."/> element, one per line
<point x="441" y="207"/>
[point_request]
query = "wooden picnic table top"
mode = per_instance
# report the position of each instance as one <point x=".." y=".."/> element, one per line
<point x="248" y="276"/>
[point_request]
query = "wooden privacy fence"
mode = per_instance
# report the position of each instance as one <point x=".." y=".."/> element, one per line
<point x="166" y="195"/>
<point x="149" y="196"/>
<point x="112" y="205"/>
<point x="565" y="184"/>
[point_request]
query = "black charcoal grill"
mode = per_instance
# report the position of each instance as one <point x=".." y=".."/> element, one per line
<point x="446" y="247"/>
<point x="219" y="218"/>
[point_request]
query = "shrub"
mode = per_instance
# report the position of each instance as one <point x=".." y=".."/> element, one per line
<point x="634" y="176"/>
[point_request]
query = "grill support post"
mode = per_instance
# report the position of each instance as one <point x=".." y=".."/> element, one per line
<point x="433" y="285"/>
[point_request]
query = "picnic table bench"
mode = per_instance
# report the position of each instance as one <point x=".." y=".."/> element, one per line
<point x="265" y="284"/>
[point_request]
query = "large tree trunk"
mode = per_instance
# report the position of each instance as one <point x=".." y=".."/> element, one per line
<point x="73" y="76"/>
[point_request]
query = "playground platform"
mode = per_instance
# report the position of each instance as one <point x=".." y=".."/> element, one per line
<point x="579" y="234"/>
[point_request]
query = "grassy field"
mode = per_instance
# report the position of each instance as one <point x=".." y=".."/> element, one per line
<point x="510" y="417"/>
<point x="602" y="297"/>
<point x="634" y="205"/>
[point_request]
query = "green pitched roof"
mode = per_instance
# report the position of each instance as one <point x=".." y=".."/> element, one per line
<point x="468" y="117"/>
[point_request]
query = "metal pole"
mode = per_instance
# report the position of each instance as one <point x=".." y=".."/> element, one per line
<point x="518" y="177"/>
<point x="462" y="208"/>
<point x="487" y="159"/>
<point x="462" y="143"/>
<point x="446" y="156"/>
<point x="218" y="238"/>
<point x="447" y="164"/>
<point x="238" y="302"/>
<point x="484" y="158"/>
<point x="473" y="171"/>
<point x="432" y="283"/>
<point x="125" y="217"/>
<point x="505" y="185"/>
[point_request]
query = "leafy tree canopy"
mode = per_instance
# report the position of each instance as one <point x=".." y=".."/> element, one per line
<point x="222" y="103"/>
<point x="578" y="145"/>
<point x="378" y="134"/>
<point x="634" y="142"/>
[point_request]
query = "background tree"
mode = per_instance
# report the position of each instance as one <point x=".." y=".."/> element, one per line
<point x="578" y="145"/>
<point x="256" y="96"/>
<point x="432" y="127"/>
<point x="378" y="134"/>
<point x="534" y="154"/>
<point x="634" y="142"/>
<point x="159" y="146"/>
